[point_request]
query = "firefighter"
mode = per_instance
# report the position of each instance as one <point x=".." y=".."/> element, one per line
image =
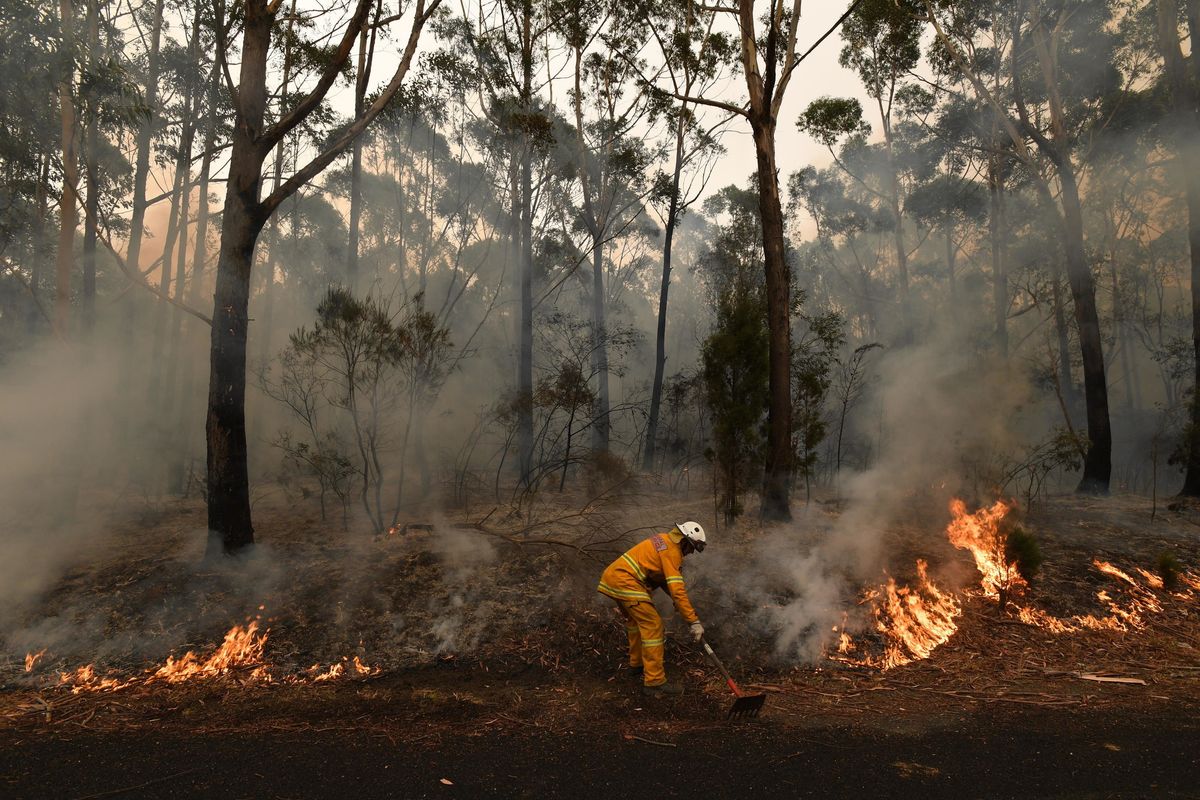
<point x="653" y="564"/>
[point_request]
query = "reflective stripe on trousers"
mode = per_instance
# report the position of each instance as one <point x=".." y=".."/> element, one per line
<point x="645" y="629"/>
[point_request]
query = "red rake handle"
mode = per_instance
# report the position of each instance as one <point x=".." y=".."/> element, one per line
<point x="728" y="678"/>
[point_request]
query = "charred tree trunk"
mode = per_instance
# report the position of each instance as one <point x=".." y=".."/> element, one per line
<point x="228" y="486"/>
<point x="1097" y="465"/>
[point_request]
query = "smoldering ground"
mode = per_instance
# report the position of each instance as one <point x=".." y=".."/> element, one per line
<point x="795" y="583"/>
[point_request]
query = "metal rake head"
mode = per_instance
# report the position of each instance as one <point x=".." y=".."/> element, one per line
<point x="746" y="707"/>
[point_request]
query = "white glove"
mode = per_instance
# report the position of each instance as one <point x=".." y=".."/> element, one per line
<point x="697" y="631"/>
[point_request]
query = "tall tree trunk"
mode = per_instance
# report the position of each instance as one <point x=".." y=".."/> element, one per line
<point x="183" y="453"/>
<point x="600" y="428"/>
<point x="1185" y="104"/>
<point x="91" y="171"/>
<point x="228" y="486"/>
<point x="906" y="318"/>
<point x="660" y="340"/>
<point x="525" y="234"/>
<point x="141" y="169"/>
<point x="366" y="53"/>
<point x="41" y="202"/>
<point x="996" y="236"/>
<point x="67" y="209"/>
<point x="1062" y="335"/>
<point x="777" y="478"/>
<point x="1097" y="465"/>
<point x="950" y="259"/>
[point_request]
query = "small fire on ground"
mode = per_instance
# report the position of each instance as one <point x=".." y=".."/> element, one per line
<point x="912" y="621"/>
<point x="241" y="654"/>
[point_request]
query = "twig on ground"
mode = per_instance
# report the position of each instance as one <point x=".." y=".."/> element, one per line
<point x="125" y="789"/>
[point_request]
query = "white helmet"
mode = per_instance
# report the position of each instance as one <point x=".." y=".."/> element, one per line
<point x="694" y="533"/>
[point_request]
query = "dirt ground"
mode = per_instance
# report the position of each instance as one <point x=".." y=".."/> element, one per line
<point x="495" y="671"/>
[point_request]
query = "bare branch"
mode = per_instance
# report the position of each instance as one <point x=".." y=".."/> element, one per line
<point x="284" y="126"/>
<point x="313" y="168"/>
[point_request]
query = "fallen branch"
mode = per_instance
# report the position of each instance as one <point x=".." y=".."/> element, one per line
<point x="650" y="741"/>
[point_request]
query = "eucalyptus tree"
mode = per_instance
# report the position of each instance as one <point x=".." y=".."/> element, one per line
<point x="769" y="54"/>
<point x="694" y="60"/>
<point x="1061" y="60"/>
<point x="243" y="217"/>
<point x="613" y="131"/>
<point x="511" y="42"/>
<point x="1177" y="20"/>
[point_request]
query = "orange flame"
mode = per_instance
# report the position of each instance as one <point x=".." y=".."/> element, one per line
<point x="980" y="533"/>
<point x="915" y="621"/>
<point x="243" y="647"/>
<point x="31" y="659"/>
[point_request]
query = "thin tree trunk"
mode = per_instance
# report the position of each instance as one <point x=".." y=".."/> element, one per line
<point x="525" y="235"/>
<point x="366" y="53"/>
<point x="91" y="170"/>
<point x="660" y="342"/>
<point x="199" y="257"/>
<point x="996" y="235"/>
<point x="898" y="232"/>
<point x="41" y="201"/>
<point x="68" y="213"/>
<point x="1186" y="115"/>
<point x="600" y="428"/>
<point x="141" y="168"/>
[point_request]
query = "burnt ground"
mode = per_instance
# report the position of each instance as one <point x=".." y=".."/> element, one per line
<point x="508" y="696"/>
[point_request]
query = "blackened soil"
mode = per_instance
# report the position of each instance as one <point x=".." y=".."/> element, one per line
<point x="1042" y="754"/>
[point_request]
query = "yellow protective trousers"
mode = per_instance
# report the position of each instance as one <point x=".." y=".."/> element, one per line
<point x="645" y="629"/>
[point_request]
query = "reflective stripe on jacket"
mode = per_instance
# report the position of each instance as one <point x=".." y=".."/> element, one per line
<point x="650" y="564"/>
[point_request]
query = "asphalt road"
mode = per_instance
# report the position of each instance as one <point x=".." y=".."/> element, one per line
<point x="1050" y="756"/>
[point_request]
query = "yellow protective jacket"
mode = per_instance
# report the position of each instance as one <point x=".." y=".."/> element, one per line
<point x="652" y="564"/>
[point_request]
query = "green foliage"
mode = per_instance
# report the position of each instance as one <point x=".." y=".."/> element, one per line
<point x="814" y="354"/>
<point x="829" y="119"/>
<point x="1021" y="550"/>
<point x="735" y="358"/>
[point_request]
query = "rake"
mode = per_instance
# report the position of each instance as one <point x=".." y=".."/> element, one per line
<point x="745" y="705"/>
